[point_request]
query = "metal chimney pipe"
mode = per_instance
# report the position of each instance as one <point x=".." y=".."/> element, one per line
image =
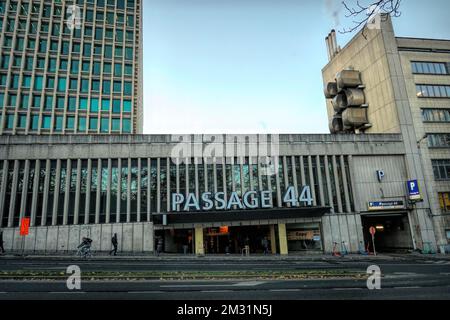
<point x="328" y="48"/>
<point x="334" y="40"/>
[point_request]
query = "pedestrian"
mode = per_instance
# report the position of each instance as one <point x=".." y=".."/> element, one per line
<point x="1" y="242"/>
<point x="114" y="243"/>
<point x="265" y="244"/>
<point x="159" y="247"/>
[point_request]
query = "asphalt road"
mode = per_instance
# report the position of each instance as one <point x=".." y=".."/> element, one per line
<point x="411" y="279"/>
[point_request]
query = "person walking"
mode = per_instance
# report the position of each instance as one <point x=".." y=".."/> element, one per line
<point x="114" y="243"/>
<point x="1" y="242"/>
<point x="159" y="247"/>
<point x="265" y="244"/>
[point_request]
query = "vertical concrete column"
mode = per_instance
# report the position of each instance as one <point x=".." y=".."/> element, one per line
<point x="56" y="191"/>
<point x="99" y="191"/>
<point x="76" y="214"/>
<point x="12" y="202"/>
<point x="259" y="173"/>
<point x="214" y="174"/>
<point x="320" y="181"/>
<point x="241" y="168"/>
<point x="250" y="172"/>
<point x="149" y="162"/>
<point x="168" y="197"/>
<point x="273" y="239"/>
<point x="355" y="192"/>
<point x="196" y="165"/>
<point x="46" y="187"/>
<point x="129" y="192"/>
<point x="302" y="171"/>
<point x="346" y="185"/>
<point x="224" y="177"/>
<point x="282" y="236"/>
<point x="3" y="189"/>
<point x="327" y="176"/>
<point x="119" y="191"/>
<point x="199" y="247"/>
<point x="294" y="178"/>
<point x="336" y="183"/>
<point x="311" y="179"/>
<point x="277" y="181"/>
<point x="23" y="200"/>
<point x="138" y="207"/>
<point x="37" y="174"/>
<point x="87" y="206"/>
<point x="158" y="186"/>
<point x="66" y="196"/>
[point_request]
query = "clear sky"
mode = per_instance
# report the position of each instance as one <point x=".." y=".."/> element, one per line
<point x="250" y="66"/>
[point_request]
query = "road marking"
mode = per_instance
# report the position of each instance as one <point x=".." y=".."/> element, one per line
<point x="68" y="292"/>
<point x="216" y="291"/>
<point x="196" y="285"/>
<point x="407" y="287"/>
<point x="145" y="292"/>
<point x="347" y="289"/>
<point x="285" y="290"/>
<point x="249" y="284"/>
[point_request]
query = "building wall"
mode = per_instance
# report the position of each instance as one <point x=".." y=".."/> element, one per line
<point x="331" y="165"/>
<point x="135" y="238"/>
<point x="427" y="50"/>
<point x="388" y="93"/>
<point x="73" y="97"/>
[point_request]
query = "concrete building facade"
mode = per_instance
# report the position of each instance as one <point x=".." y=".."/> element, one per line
<point x="75" y="186"/>
<point x="70" y="67"/>
<point x="406" y="85"/>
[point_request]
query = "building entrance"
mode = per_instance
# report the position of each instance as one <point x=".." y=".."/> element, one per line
<point x="233" y="240"/>
<point x="393" y="232"/>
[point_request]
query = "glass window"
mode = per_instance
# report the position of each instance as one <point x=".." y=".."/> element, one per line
<point x="115" y="124"/>
<point x="126" y="126"/>
<point x="70" y="123"/>
<point x="94" y="105"/>
<point x="127" y="106"/>
<point x="62" y="82"/>
<point x="106" y="104"/>
<point x="83" y="104"/>
<point x="46" y="122"/>
<point x="104" y="125"/>
<point x="116" y="106"/>
<point x="59" y="123"/>
<point x="81" y="124"/>
<point x="93" y="124"/>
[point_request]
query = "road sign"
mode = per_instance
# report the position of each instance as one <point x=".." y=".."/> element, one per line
<point x="25" y="227"/>
<point x="372" y="230"/>
<point x="414" y="190"/>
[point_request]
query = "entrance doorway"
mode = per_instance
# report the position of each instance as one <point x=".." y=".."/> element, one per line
<point x="232" y="240"/>
<point x="393" y="232"/>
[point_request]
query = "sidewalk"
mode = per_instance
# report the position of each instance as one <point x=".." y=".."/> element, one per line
<point x="178" y="257"/>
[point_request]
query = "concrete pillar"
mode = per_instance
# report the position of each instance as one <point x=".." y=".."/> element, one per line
<point x="76" y="214"/>
<point x="327" y="177"/>
<point x="119" y="191"/>
<point x="138" y="205"/>
<point x="199" y="248"/>
<point x="37" y="174"/>
<point x="45" y="200"/>
<point x="273" y="239"/>
<point x="12" y="202"/>
<point x="311" y="179"/>
<point x="99" y="191"/>
<point x="320" y="181"/>
<point x="277" y="181"/>
<point x="3" y="188"/>
<point x="346" y="185"/>
<point x="129" y="192"/>
<point x="282" y="236"/>
<point x="23" y="200"/>
<point x="336" y="183"/>
<point x="87" y="207"/>
<point x="294" y="178"/>
<point x="149" y="171"/>
<point x="56" y="191"/>
<point x="67" y="195"/>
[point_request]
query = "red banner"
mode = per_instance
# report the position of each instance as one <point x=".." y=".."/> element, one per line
<point x="25" y="227"/>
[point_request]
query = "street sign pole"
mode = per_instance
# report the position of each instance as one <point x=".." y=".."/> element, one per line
<point x="372" y="231"/>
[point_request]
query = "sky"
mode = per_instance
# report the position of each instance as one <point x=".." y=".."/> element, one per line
<point x="251" y="66"/>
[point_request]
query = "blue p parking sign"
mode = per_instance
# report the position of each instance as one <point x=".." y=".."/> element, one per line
<point x="414" y="190"/>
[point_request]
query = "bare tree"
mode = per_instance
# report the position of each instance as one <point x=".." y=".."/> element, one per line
<point x="364" y="13"/>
